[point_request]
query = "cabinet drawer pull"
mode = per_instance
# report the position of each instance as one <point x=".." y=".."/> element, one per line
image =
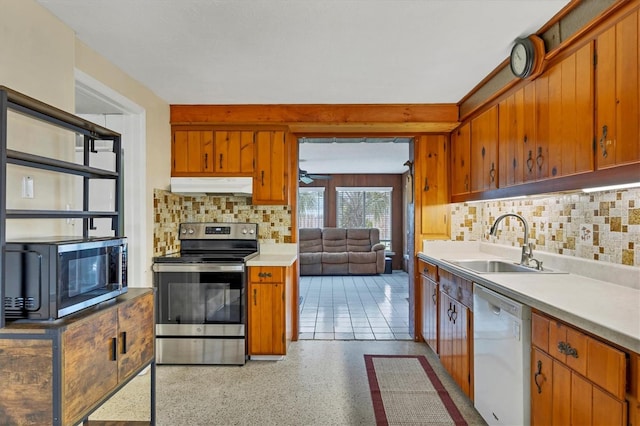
<point x="539" y="158"/>
<point x="535" y="377"/>
<point x="264" y="274"/>
<point x="114" y="349"/>
<point x="603" y="146"/>
<point x="565" y="348"/>
<point x="124" y="342"/>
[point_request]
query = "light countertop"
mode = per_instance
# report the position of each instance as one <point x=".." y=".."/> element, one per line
<point x="275" y="255"/>
<point x="607" y="309"/>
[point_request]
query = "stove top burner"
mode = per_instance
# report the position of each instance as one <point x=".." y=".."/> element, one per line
<point x="210" y="242"/>
<point x="211" y="257"/>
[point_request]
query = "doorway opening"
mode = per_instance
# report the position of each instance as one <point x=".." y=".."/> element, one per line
<point x="104" y="106"/>
<point x="356" y="182"/>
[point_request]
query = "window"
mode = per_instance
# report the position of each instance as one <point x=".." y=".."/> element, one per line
<point x="311" y="207"/>
<point x="365" y="208"/>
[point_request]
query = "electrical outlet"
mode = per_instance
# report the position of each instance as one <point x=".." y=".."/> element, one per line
<point x="27" y="187"/>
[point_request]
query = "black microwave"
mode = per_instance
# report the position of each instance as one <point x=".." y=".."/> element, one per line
<point x="49" y="278"/>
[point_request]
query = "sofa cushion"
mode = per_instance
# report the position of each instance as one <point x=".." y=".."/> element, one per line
<point x="310" y="240"/>
<point x="335" y="257"/>
<point x="334" y="240"/>
<point x="309" y="258"/>
<point x="311" y="269"/>
<point x="358" y="239"/>
<point x="361" y="257"/>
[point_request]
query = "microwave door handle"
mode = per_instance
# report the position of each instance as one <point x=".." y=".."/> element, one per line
<point x="119" y="271"/>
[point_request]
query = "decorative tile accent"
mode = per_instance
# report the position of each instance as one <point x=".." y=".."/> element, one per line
<point x="274" y="222"/>
<point x="603" y="226"/>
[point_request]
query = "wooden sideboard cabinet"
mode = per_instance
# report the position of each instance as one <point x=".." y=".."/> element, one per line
<point x="59" y="372"/>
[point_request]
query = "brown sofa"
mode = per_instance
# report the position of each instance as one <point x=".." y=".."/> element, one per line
<point x="340" y="251"/>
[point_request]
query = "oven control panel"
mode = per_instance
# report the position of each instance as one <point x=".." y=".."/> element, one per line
<point x="218" y="231"/>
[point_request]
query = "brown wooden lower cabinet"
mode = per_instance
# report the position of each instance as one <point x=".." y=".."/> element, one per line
<point x="561" y="394"/>
<point x="455" y="329"/>
<point x="267" y="311"/>
<point x="58" y="372"/>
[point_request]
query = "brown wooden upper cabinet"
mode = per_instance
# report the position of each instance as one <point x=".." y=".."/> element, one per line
<point x="520" y="157"/>
<point x="484" y="150"/>
<point x="432" y="186"/>
<point x="192" y="152"/>
<point x="234" y="152"/>
<point x="565" y="115"/>
<point x="460" y="163"/>
<point x="270" y="177"/>
<point x="618" y="93"/>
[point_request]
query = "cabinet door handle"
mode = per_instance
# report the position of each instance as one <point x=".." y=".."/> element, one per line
<point x="530" y="161"/>
<point x="603" y="139"/>
<point x="426" y="185"/>
<point x="492" y="172"/>
<point x="124" y="342"/>
<point x="262" y="177"/>
<point x="535" y="377"/>
<point x="565" y="348"/>
<point x="221" y="161"/>
<point x="454" y="314"/>
<point x="206" y="161"/>
<point x="539" y="158"/>
<point x="515" y="163"/>
<point x="114" y="349"/>
<point x="255" y="297"/>
<point x="433" y="297"/>
<point x="466" y="182"/>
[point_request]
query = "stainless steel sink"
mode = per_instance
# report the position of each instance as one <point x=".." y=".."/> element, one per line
<point x="499" y="266"/>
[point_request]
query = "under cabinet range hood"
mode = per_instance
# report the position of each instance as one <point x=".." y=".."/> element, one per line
<point x="242" y="186"/>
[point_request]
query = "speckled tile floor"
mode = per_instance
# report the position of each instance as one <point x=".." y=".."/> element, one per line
<point x="318" y="383"/>
<point x="369" y="307"/>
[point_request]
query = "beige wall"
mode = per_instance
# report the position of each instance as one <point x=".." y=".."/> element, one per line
<point x="38" y="57"/>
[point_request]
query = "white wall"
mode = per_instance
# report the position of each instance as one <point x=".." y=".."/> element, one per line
<point x="38" y="57"/>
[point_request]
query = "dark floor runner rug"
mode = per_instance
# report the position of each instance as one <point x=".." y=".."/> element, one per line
<point x="405" y="390"/>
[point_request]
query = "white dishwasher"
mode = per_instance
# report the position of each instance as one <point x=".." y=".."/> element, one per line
<point x="501" y="356"/>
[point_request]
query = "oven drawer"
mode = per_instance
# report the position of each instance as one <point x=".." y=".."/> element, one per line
<point x="200" y="351"/>
<point x="266" y="274"/>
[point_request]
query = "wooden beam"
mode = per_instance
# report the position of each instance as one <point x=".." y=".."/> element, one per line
<point x="362" y="114"/>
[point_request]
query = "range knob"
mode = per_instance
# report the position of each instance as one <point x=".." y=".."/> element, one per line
<point x="244" y="230"/>
<point x="191" y="231"/>
<point x="251" y="231"/>
<point x="184" y="230"/>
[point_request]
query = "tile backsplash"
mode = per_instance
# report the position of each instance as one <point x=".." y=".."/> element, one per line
<point x="274" y="222"/>
<point x="603" y="226"/>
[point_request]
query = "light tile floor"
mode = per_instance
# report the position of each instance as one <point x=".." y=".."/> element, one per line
<point x="355" y="307"/>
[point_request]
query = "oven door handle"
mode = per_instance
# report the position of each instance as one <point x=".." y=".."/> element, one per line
<point x="197" y="267"/>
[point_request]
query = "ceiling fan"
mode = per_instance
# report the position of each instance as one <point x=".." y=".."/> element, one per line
<point x="305" y="177"/>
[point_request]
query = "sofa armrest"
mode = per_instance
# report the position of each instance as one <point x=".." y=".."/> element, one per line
<point x="377" y="247"/>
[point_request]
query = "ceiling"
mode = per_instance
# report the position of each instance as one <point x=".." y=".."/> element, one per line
<point x="307" y="52"/>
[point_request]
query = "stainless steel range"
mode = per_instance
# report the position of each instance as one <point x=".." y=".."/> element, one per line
<point x="201" y="300"/>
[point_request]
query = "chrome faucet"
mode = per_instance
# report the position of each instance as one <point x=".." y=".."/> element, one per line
<point x="527" y="248"/>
